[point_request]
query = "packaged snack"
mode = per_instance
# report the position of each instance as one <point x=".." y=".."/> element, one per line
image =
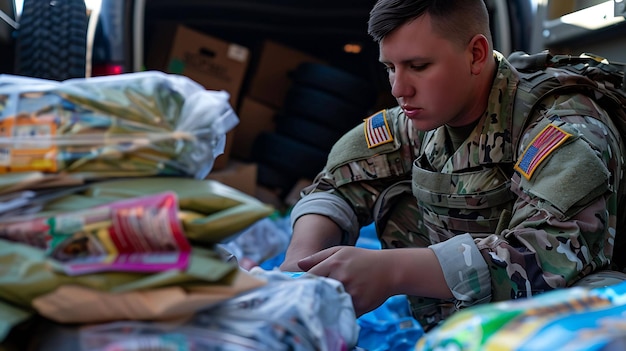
<point x="136" y="124"/>
<point x="576" y="318"/>
<point x="141" y="234"/>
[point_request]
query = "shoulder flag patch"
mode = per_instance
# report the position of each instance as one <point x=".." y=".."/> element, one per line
<point x="541" y="146"/>
<point x="377" y="130"/>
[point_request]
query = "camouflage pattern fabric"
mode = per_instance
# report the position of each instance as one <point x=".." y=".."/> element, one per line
<point x="536" y="234"/>
<point x="601" y="279"/>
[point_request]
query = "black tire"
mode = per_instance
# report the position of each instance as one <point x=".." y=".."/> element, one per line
<point x="288" y="155"/>
<point x="52" y="39"/>
<point x="323" y="108"/>
<point x="272" y="178"/>
<point x="308" y="132"/>
<point x="337" y="82"/>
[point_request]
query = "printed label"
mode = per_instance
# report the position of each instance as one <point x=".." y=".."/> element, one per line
<point x="237" y="53"/>
<point x="27" y="144"/>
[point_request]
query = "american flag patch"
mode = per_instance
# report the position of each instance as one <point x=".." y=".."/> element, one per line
<point x="542" y="145"/>
<point x="377" y="130"/>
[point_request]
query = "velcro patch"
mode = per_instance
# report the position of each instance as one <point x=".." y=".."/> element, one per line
<point x="541" y="146"/>
<point x="377" y="130"/>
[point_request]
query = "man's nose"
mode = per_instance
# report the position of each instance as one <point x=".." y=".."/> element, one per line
<point x="401" y="86"/>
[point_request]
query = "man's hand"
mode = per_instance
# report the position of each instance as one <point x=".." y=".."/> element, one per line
<point x="311" y="233"/>
<point x="372" y="276"/>
<point x="364" y="273"/>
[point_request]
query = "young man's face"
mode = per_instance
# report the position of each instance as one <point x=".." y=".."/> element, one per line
<point x="430" y="76"/>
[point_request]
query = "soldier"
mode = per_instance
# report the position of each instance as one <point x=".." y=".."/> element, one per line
<point x="479" y="201"/>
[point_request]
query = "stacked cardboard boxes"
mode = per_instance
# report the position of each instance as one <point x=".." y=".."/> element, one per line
<point x="257" y="81"/>
<point x="214" y="63"/>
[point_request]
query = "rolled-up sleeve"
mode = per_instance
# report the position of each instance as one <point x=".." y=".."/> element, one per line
<point x="464" y="269"/>
<point x="331" y="206"/>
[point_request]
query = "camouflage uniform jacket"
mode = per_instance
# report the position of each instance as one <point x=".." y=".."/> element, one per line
<point x="527" y="202"/>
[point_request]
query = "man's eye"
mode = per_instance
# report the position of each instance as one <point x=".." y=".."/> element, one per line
<point x="419" y="67"/>
<point x="389" y="69"/>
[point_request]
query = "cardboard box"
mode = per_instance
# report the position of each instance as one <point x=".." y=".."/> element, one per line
<point x="560" y="8"/>
<point x="214" y="63"/>
<point x="254" y="117"/>
<point x="238" y="175"/>
<point x="270" y="197"/>
<point x="270" y="80"/>
<point x="294" y="193"/>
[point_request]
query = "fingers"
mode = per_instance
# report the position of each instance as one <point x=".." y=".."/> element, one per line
<point x="289" y="266"/>
<point x="307" y="264"/>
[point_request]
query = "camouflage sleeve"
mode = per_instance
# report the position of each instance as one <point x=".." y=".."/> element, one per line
<point x="468" y="278"/>
<point x="331" y="206"/>
<point x="563" y="222"/>
<point x="359" y="169"/>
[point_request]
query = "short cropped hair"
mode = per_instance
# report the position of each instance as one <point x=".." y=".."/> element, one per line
<point x="455" y="20"/>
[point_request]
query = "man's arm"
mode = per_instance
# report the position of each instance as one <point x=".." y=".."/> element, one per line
<point x="563" y="221"/>
<point x="311" y="233"/>
<point x="372" y="276"/>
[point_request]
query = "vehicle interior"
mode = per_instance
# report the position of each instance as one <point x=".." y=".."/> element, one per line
<point x="299" y="75"/>
<point x="334" y="31"/>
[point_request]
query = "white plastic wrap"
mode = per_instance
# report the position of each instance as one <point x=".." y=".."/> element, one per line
<point x="136" y="124"/>
<point x="292" y="312"/>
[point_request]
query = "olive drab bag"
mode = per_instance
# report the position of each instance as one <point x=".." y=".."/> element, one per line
<point x="544" y="74"/>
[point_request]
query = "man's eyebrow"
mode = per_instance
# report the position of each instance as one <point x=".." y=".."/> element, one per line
<point x="407" y="61"/>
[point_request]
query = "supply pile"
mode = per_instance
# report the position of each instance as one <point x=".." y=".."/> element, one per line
<point x="105" y="212"/>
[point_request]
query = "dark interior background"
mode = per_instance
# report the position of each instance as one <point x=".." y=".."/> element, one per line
<point x="318" y="27"/>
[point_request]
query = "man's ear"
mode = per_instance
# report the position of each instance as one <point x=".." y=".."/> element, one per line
<point x="479" y="52"/>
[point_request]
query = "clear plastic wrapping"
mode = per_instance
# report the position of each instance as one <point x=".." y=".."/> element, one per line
<point x="292" y="312"/>
<point x="138" y="336"/>
<point x="137" y="124"/>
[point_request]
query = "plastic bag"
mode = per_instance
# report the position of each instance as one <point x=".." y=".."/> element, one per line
<point x="260" y="242"/>
<point x="136" y="124"/>
<point x="136" y="336"/>
<point x="389" y="327"/>
<point x="141" y="234"/>
<point x="567" y="319"/>
<point x="298" y="312"/>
